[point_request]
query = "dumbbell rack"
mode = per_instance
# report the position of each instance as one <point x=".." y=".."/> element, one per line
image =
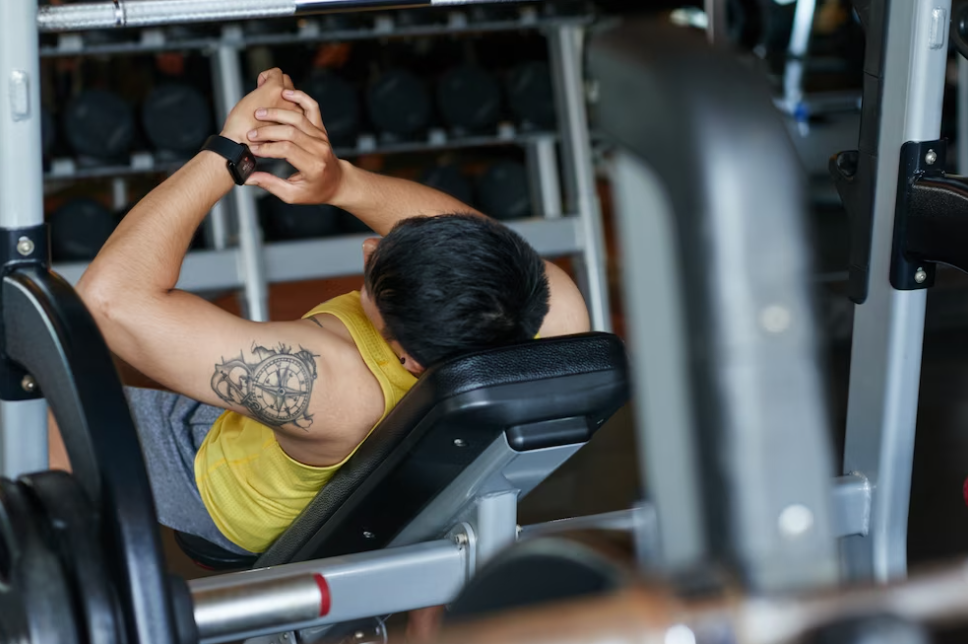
<point x="252" y="265"/>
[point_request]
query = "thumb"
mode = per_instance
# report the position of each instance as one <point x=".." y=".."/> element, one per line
<point x="272" y="184"/>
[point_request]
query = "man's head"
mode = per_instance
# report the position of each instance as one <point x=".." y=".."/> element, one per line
<point x="440" y="287"/>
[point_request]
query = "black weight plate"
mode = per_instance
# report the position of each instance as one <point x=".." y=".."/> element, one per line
<point x="281" y="221"/>
<point x="399" y="103"/>
<point x="73" y="533"/>
<point x="35" y="605"/>
<point x="504" y="191"/>
<point x="176" y="118"/>
<point x="449" y="179"/>
<point x="99" y="124"/>
<point x="338" y="104"/>
<point x="531" y="94"/>
<point x="469" y="98"/>
<point x="78" y="230"/>
<point x="534" y="573"/>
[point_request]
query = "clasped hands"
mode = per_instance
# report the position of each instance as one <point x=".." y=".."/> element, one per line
<point x="277" y="121"/>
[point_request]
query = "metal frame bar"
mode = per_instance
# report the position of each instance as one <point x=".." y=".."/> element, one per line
<point x="23" y="434"/>
<point x="542" y="161"/>
<point x="566" y="45"/>
<point x="328" y="591"/>
<point x="670" y="468"/>
<point x="962" y="139"/>
<point x="796" y="55"/>
<point x="227" y="76"/>
<point x="888" y="327"/>
<point x="146" y="13"/>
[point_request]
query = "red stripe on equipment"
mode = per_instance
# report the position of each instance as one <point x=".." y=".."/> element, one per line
<point x="325" y="599"/>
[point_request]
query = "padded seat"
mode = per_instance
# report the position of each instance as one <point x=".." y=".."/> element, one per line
<point x="540" y="394"/>
<point x="210" y="556"/>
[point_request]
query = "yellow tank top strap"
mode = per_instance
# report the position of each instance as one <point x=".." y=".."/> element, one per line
<point x="377" y="354"/>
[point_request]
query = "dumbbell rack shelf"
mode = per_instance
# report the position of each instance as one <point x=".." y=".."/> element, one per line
<point x="218" y="270"/>
<point x="438" y="140"/>
<point x="238" y="257"/>
<point x="307" y="31"/>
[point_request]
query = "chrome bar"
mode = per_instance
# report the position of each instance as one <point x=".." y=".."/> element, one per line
<point x="148" y="13"/>
<point x="328" y="591"/>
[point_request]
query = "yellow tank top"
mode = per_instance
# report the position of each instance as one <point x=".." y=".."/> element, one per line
<point x="250" y="486"/>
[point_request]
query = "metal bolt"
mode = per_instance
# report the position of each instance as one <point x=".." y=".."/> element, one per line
<point x="460" y="539"/>
<point x="931" y="157"/>
<point x="680" y="634"/>
<point x="920" y="275"/>
<point x="776" y="318"/>
<point x="368" y="535"/>
<point x="25" y="246"/>
<point x="285" y="636"/>
<point x="795" y="520"/>
<point x="359" y="635"/>
<point x="459" y="442"/>
<point x="28" y="383"/>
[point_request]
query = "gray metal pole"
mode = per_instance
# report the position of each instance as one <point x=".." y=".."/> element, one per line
<point x="228" y="81"/>
<point x="669" y="464"/>
<point x="542" y="157"/>
<point x="147" y="13"/>
<point x="23" y="425"/>
<point x="797" y="52"/>
<point x="885" y="363"/>
<point x="328" y="591"/>
<point x="962" y="139"/>
<point x="567" y="43"/>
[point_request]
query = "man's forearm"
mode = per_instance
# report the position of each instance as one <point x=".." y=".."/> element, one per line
<point x="380" y="201"/>
<point x="146" y="251"/>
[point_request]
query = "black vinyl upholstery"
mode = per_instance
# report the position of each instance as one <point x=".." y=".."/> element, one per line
<point x="411" y="456"/>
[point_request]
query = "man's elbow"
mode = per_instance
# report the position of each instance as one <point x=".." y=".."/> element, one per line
<point x="101" y="296"/>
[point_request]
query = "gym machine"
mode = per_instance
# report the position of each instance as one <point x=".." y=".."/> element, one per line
<point x="413" y="514"/>
<point x="729" y="562"/>
<point x="732" y="432"/>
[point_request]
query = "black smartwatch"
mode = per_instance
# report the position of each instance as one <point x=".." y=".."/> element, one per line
<point x="241" y="161"/>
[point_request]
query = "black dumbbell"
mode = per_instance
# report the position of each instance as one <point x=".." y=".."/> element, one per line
<point x="283" y="222"/>
<point x="176" y="118"/>
<point x="449" y="179"/>
<point x="418" y="17"/>
<point x="469" y="98"/>
<point x="99" y="124"/>
<point x="531" y="95"/>
<point x="78" y="230"/>
<point x="339" y="105"/>
<point x="399" y="103"/>
<point x="503" y="191"/>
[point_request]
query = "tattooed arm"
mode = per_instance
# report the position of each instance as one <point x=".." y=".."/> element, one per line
<point x="283" y="374"/>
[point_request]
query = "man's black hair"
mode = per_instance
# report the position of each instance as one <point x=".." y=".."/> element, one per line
<point x="454" y="284"/>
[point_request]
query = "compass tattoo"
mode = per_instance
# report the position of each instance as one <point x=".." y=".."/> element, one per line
<point x="275" y="390"/>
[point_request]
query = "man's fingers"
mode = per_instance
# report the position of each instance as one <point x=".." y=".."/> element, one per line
<point x="303" y="160"/>
<point x="289" y="117"/>
<point x="277" y="132"/>
<point x="274" y="185"/>
<point x="309" y="107"/>
<point x="287" y="82"/>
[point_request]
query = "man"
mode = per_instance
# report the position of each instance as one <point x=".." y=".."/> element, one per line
<point x="264" y="414"/>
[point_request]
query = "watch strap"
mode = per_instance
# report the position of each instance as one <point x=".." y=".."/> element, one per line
<point x="224" y="147"/>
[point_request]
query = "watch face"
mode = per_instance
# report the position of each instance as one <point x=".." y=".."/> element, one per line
<point x="246" y="165"/>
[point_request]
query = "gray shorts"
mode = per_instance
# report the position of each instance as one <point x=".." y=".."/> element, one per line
<point x="171" y="428"/>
